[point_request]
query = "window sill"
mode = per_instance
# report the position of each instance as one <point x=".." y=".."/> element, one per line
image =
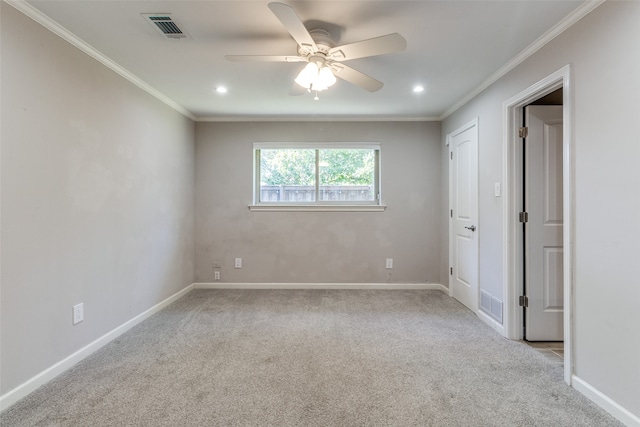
<point x="317" y="208"/>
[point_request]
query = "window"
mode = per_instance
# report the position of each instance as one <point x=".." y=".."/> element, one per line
<point x="317" y="174"/>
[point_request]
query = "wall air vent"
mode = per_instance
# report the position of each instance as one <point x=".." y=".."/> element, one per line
<point x="165" y="24"/>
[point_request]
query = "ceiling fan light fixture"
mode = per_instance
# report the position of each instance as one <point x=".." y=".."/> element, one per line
<point x="326" y="77"/>
<point x="315" y="77"/>
<point x="308" y="75"/>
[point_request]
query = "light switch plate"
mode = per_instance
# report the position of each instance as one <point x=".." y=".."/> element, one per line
<point x="78" y="313"/>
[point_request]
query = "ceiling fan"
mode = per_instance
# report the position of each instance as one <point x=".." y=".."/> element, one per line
<point x="324" y="58"/>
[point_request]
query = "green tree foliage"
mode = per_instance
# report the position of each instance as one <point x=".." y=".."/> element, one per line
<point x="297" y="166"/>
<point x="287" y="167"/>
<point x="346" y="167"/>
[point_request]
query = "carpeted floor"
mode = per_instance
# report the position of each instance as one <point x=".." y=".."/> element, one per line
<point x="310" y="358"/>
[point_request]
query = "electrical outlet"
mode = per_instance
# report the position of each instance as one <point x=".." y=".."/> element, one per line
<point x="216" y="264"/>
<point x="389" y="263"/>
<point x="238" y="263"/>
<point x="216" y="275"/>
<point x="78" y="313"/>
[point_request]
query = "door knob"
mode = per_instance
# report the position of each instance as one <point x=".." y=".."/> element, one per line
<point x="472" y="228"/>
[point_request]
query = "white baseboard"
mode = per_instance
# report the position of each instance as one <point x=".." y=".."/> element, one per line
<point x="491" y="322"/>
<point x="11" y="397"/>
<point x="383" y="286"/>
<point x="605" y="402"/>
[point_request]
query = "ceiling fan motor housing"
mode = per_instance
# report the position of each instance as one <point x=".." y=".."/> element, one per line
<point x="323" y="40"/>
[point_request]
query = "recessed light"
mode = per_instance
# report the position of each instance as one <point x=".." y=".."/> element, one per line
<point x="418" y="89"/>
<point x="221" y="89"/>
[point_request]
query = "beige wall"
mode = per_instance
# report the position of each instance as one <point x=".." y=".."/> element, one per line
<point x="602" y="50"/>
<point x="97" y="199"/>
<point x="332" y="247"/>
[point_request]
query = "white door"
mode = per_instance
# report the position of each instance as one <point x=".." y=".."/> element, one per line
<point x="463" y="174"/>
<point x="543" y="229"/>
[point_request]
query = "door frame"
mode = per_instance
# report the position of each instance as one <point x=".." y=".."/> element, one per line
<point x="512" y="202"/>
<point x="472" y="124"/>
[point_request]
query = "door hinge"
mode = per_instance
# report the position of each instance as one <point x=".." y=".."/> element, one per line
<point x="451" y="271"/>
<point x="451" y="213"/>
<point x="523" y="216"/>
<point x="451" y="155"/>
<point x="523" y="132"/>
<point x="524" y="301"/>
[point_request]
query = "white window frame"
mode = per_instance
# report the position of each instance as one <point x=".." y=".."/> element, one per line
<point x="318" y="205"/>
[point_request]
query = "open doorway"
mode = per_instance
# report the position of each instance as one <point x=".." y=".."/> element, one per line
<point x="515" y="262"/>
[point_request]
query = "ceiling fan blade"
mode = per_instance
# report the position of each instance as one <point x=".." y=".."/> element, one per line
<point x="289" y="18"/>
<point x="391" y="43"/>
<point x="356" y="77"/>
<point x="263" y="58"/>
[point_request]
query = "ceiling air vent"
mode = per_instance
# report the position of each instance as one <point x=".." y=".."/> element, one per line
<point x="167" y="26"/>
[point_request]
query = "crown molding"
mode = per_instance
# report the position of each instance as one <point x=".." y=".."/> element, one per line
<point x="324" y="118"/>
<point x="75" y="41"/>
<point x="583" y="10"/>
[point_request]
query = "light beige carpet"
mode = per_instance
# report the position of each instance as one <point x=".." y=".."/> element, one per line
<point x="310" y="358"/>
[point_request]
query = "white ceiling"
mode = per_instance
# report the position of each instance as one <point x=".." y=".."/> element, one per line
<point x="453" y="48"/>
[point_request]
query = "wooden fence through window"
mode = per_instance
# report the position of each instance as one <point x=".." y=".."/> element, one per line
<point x="306" y="193"/>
